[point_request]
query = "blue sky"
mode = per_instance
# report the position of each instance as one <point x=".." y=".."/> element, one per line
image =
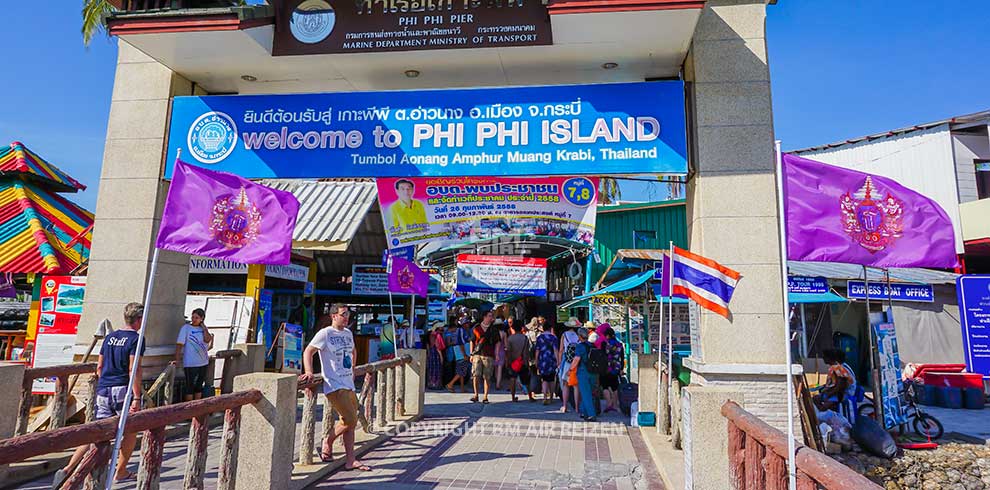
<point x="839" y="68"/>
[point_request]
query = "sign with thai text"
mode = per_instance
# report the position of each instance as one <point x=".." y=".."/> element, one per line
<point x="807" y="285"/>
<point x="372" y="280"/>
<point x="368" y="26"/>
<point x="466" y="209"/>
<point x="601" y="129"/>
<point x="974" y="313"/>
<point x="501" y="274"/>
<point x="897" y="292"/>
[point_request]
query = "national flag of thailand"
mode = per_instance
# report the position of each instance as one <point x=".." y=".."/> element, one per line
<point x="220" y="215"/>
<point x="405" y="277"/>
<point x="702" y="280"/>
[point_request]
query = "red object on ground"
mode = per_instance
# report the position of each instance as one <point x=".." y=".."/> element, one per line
<point x="918" y="445"/>
<point x="955" y="380"/>
<point x="938" y="368"/>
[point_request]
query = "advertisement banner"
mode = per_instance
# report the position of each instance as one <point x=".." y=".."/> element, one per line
<point x="501" y="274"/>
<point x="372" y="280"/>
<point x="60" y="303"/>
<point x="292" y="348"/>
<point x="807" y="285"/>
<point x="374" y="26"/>
<point x="974" y="309"/>
<point x="464" y="209"/>
<point x="265" y="319"/>
<point x="924" y="293"/>
<point x="607" y="129"/>
<point x="890" y="375"/>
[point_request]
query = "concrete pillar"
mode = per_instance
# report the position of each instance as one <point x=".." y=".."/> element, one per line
<point x="11" y="382"/>
<point x="648" y="383"/>
<point x="128" y="208"/>
<point x="733" y="151"/>
<point x="268" y="430"/>
<point x="415" y="374"/>
<point x="253" y="361"/>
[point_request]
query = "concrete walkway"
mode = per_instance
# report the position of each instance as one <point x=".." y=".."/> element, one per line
<point x="506" y="445"/>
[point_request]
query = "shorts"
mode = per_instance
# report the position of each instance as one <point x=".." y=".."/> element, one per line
<point x="610" y="382"/>
<point x="483" y="367"/>
<point x="522" y="375"/>
<point x="462" y="368"/>
<point x="110" y="401"/>
<point x="345" y="403"/>
<point x="549" y="378"/>
<point x="195" y="379"/>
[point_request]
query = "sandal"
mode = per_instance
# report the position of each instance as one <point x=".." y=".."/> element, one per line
<point x="485" y="401"/>
<point x="129" y="476"/>
<point x="359" y="467"/>
<point x="474" y="399"/>
<point x="326" y="457"/>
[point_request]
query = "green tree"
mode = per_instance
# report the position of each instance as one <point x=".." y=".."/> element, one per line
<point x="608" y="191"/>
<point x="92" y="18"/>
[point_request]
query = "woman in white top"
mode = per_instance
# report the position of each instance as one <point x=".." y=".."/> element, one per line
<point x="568" y="338"/>
<point x="192" y="353"/>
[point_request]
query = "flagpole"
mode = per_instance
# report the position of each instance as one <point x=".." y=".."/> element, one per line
<point x="121" y="424"/>
<point x="791" y="464"/>
<point x="391" y="306"/>
<point x="877" y="406"/>
<point x="670" y="326"/>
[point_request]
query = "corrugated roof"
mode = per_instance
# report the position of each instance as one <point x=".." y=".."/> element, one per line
<point x="40" y="231"/>
<point x="615" y="226"/>
<point x="330" y="212"/>
<point x="964" y="120"/>
<point x="16" y="158"/>
<point x="850" y="271"/>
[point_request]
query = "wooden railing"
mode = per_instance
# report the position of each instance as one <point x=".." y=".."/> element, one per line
<point x="758" y="459"/>
<point x="61" y="374"/>
<point x="382" y="394"/>
<point x="8" y="339"/>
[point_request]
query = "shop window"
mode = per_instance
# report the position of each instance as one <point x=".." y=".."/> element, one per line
<point x="983" y="178"/>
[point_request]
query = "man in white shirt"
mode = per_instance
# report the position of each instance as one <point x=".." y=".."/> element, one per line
<point x="336" y="347"/>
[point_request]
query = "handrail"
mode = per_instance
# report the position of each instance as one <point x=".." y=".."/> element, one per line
<point x="746" y="460"/>
<point x="31" y="374"/>
<point x="27" y="446"/>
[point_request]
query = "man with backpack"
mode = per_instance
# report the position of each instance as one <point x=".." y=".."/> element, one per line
<point x="598" y="367"/>
<point x="581" y="371"/>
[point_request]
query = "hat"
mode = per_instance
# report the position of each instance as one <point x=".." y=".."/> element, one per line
<point x="590" y="325"/>
<point x="582" y="332"/>
<point x="533" y="323"/>
<point x="593" y="337"/>
<point x="572" y="322"/>
<point x="437" y="324"/>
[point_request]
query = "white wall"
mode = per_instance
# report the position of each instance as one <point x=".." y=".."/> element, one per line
<point x="969" y="147"/>
<point x="920" y="160"/>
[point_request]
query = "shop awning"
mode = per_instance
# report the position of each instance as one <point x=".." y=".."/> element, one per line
<point x="829" y="297"/>
<point x="631" y="282"/>
<point x="40" y="231"/>
<point x="330" y="212"/>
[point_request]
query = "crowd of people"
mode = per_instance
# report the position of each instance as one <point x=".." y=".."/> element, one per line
<point x="578" y="363"/>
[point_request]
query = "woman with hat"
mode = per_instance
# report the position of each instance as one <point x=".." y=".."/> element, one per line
<point x="456" y="339"/>
<point x="434" y="357"/>
<point x="565" y="354"/>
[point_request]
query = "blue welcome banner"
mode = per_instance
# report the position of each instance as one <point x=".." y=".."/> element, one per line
<point x="556" y="130"/>
<point x="974" y="311"/>
<point x="898" y="292"/>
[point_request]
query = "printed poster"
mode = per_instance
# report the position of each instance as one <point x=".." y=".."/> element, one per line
<point x="890" y="375"/>
<point x="292" y="348"/>
<point x="466" y="209"/>
<point x="501" y="274"/>
<point x="265" y="318"/>
<point x="61" y="303"/>
<point x="974" y="311"/>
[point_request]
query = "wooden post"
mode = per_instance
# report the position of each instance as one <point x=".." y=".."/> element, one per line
<point x="152" y="448"/>
<point x="737" y="456"/>
<point x="776" y="471"/>
<point x="91" y="402"/>
<point x="390" y="394"/>
<point x="24" y="410"/>
<point x="59" y="403"/>
<point x="400" y="390"/>
<point x="228" y="449"/>
<point x="380" y="401"/>
<point x="365" y="402"/>
<point x="755" y="476"/>
<point x="804" y="482"/>
<point x="96" y="456"/>
<point x="199" y="435"/>
<point x="308" y="427"/>
<point x="168" y="390"/>
<point x="663" y="415"/>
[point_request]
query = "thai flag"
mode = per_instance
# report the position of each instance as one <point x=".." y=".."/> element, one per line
<point x="701" y="280"/>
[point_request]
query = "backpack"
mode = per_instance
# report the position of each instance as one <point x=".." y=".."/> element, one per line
<point x="597" y="361"/>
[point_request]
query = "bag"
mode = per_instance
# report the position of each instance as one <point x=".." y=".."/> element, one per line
<point x="597" y="361"/>
<point x="872" y="437"/>
<point x="628" y="394"/>
<point x="517" y="365"/>
<point x="572" y="377"/>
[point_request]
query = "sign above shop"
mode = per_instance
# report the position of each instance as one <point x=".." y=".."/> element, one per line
<point x="807" y="285"/>
<point x="974" y="312"/>
<point x="289" y="272"/>
<point x="501" y="274"/>
<point x="924" y="293"/>
<point x="372" y="280"/>
<point x="606" y="129"/>
<point x="467" y="209"/>
<point x="371" y="26"/>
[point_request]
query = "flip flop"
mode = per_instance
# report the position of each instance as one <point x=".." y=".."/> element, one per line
<point x="129" y="476"/>
<point x="362" y="467"/>
<point x="326" y="457"/>
<point x="485" y="401"/>
<point x="474" y="399"/>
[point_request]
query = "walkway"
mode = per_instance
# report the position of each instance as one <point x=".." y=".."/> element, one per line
<point x="507" y="446"/>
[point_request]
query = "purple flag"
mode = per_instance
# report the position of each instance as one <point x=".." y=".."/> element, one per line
<point x="666" y="276"/>
<point x="835" y="214"/>
<point x="223" y="216"/>
<point x="406" y="277"/>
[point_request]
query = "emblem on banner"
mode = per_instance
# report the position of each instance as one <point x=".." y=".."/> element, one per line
<point x="873" y="224"/>
<point x="236" y="221"/>
<point x="212" y="137"/>
<point x="406" y="278"/>
<point x="312" y="21"/>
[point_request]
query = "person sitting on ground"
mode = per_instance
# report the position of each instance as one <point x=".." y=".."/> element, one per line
<point x="518" y="352"/>
<point x="113" y="370"/>
<point x="192" y="354"/>
<point x="840" y="383"/>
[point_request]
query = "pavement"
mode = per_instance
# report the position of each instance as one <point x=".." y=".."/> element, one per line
<point x="973" y="424"/>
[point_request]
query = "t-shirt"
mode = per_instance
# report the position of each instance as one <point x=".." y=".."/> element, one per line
<point x="336" y="350"/>
<point x="491" y="339"/>
<point x="117" y="349"/>
<point x="454" y="340"/>
<point x="404" y="218"/>
<point x="517" y="345"/>
<point x="195" y="350"/>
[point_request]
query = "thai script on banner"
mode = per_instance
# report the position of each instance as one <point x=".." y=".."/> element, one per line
<point x="807" y="285"/>
<point x="559" y="130"/>
<point x="501" y="274"/>
<point x="372" y="280"/>
<point x="464" y="209"/>
<point x="974" y="312"/>
<point x="924" y="293"/>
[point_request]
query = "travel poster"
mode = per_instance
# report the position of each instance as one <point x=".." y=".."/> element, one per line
<point x="60" y="302"/>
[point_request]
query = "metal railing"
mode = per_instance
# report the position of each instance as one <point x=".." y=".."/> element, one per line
<point x="758" y="459"/>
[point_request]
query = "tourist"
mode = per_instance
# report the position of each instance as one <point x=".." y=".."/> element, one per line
<point x="192" y="354"/>
<point x="518" y="352"/>
<point x="565" y="354"/>
<point x="546" y="362"/>
<point x="532" y="332"/>
<point x="597" y="364"/>
<point x="610" y="381"/>
<point x="113" y="369"/>
<point x="500" y="353"/>
<point x="434" y="357"/>
<point x="840" y="383"/>
<point x="303" y="316"/>
<point x="579" y="366"/>
<point x="483" y="343"/>
<point x="335" y="344"/>
<point x="456" y="339"/>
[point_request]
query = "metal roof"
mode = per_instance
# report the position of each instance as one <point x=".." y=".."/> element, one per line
<point x="330" y="212"/>
<point x="957" y="122"/>
<point x="615" y="226"/>
<point x="850" y="271"/>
